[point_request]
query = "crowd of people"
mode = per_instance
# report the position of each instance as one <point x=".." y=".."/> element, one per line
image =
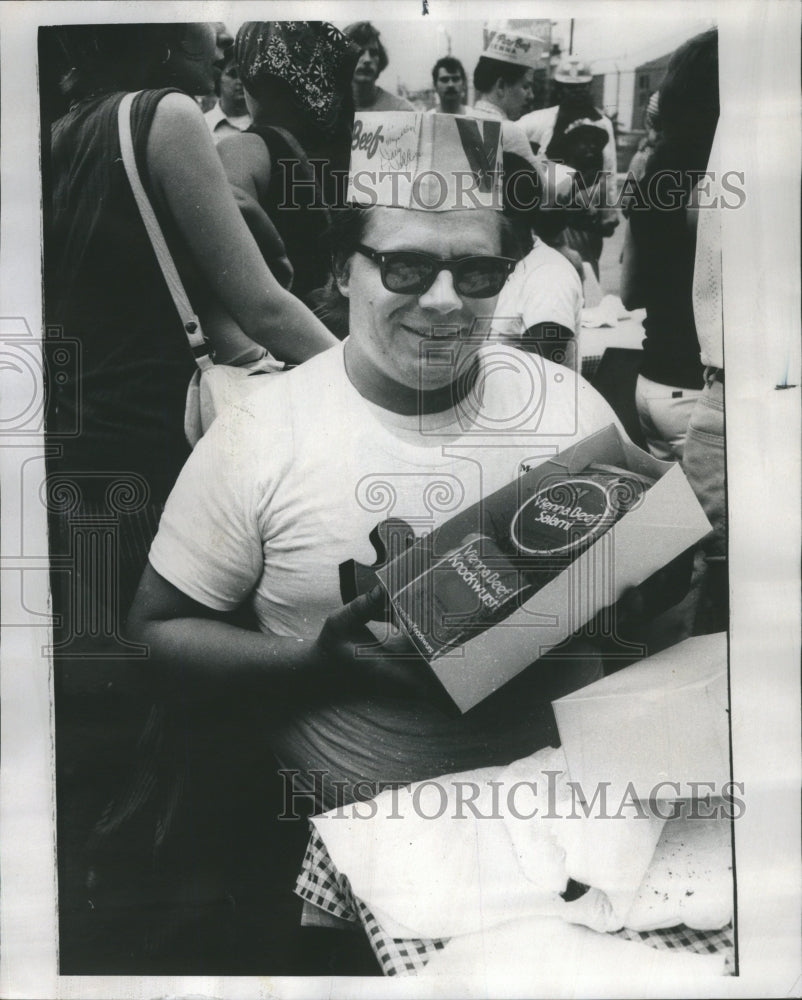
<point x="229" y="565"/>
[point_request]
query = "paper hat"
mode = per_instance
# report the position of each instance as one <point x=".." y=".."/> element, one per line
<point x="406" y="159"/>
<point x="510" y="47"/>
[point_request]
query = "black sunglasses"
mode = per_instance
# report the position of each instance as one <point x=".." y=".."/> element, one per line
<point x="410" y="272"/>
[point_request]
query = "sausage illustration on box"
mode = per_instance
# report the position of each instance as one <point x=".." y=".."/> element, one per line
<point x="499" y="584"/>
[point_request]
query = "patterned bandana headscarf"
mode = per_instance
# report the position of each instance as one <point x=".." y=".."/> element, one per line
<point x="315" y="59"/>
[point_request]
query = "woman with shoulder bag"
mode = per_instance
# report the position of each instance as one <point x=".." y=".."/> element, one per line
<point x="103" y="283"/>
<point x="116" y="421"/>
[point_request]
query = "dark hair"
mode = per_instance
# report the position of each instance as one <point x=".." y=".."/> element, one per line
<point x="689" y="109"/>
<point x="364" y="34"/>
<point x="689" y="94"/>
<point x="106" y="57"/>
<point x="581" y="106"/>
<point x="488" y="71"/>
<point x="450" y="65"/>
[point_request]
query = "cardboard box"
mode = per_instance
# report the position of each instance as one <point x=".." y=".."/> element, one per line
<point x="661" y="720"/>
<point x="532" y="585"/>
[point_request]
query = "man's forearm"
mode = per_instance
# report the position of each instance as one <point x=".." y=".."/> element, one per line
<point x="199" y="652"/>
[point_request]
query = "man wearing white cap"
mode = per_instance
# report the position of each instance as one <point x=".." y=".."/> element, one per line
<point x="414" y="417"/>
<point x="573" y="78"/>
<point x="503" y="80"/>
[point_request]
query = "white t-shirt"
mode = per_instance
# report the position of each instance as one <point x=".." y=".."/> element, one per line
<point x="288" y="485"/>
<point x="543" y="288"/>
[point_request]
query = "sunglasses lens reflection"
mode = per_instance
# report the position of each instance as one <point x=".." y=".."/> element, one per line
<point x="481" y="278"/>
<point x="408" y="273"/>
<point x="414" y="274"/>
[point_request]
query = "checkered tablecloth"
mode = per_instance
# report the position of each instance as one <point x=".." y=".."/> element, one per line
<point x="322" y="885"/>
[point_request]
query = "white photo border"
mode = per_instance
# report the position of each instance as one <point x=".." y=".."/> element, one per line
<point x="760" y="135"/>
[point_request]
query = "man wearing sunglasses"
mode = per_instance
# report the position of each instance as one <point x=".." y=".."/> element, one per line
<point x="413" y="418"/>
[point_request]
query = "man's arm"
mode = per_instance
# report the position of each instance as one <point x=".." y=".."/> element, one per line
<point x="194" y="643"/>
<point x="199" y="652"/>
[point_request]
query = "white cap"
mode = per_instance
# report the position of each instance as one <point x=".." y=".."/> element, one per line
<point x="512" y="47"/>
<point x="406" y="159"/>
<point x="572" y="69"/>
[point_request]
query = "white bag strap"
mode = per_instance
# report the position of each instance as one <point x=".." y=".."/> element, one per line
<point x="198" y="344"/>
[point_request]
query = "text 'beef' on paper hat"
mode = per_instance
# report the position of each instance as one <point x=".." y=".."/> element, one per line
<point x="512" y="47"/>
<point x="406" y="159"/>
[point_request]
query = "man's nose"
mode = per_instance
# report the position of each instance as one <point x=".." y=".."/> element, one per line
<point x="442" y="297"/>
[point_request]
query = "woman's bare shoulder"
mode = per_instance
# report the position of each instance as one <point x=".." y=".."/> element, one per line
<point x="178" y="132"/>
<point x="179" y="106"/>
